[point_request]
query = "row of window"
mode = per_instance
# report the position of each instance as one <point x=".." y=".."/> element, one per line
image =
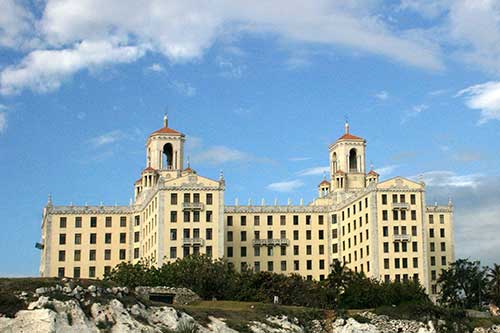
<point x="187" y="198"/>
<point x="432" y="246"/>
<point x="403" y="247"/>
<point x="283" y="265"/>
<point x="402" y="199"/>
<point x="355" y="253"/>
<point x="399" y="277"/>
<point x="108" y="220"/>
<point x="93" y="238"/>
<point x="443" y="261"/>
<point x="400" y="263"/>
<point x="187" y="216"/>
<point x="399" y="215"/>
<point x="269" y="219"/>
<point x="187" y="233"/>
<point x="77" y="255"/>
<point x="431" y="218"/>
<point x="360" y="208"/>
<point x="243" y="235"/>
<point x="270" y="250"/>
<point x="186" y="251"/>
<point x="61" y="271"/>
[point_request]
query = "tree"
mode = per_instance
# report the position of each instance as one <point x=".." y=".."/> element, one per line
<point x="493" y="275"/>
<point x="463" y="284"/>
<point x="337" y="282"/>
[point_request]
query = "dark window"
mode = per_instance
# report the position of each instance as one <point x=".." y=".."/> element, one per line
<point x="173" y="216"/>
<point x="413" y="199"/>
<point x="209" y="216"/>
<point x="243" y="220"/>
<point x="78" y="239"/>
<point x="62" y="255"/>
<point x="77" y="255"/>
<point x="62" y="239"/>
<point x="385" y="231"/>
<point x="93" y="221"/>
<point x="295" y="235"/>
<point x="92" y="271"/>
<point x="295" y="220"/>
<point x="196" y="216"/>
<point x="209" y="198"/>
<point x="384" y="215"/>
<point x="384" y="199"/>
<point x="413" y="215"/>
<point x="309" y="264"/>
<point x="187" y="216"/>
<point x="136" y="236"/>
<point x="243" y="251"/>
<point x="107" y="238"/>
<point x="62" y="222"/>
<point x="76" y="272"/>
<point x="229" y="236"/>
<point x="92" y="255"/>
<point x="123" y="221"/>
<point x="173" y="234"/>
<point x="269" y="220"/>
<point x="229" y="251"/>
<point x="209" y="233"/>
<point x="136" y="253"/>
<point x="108" y="222"/>
<point x="173" y="198"/>
<point x="78" y="222"/>
<point x="123" y="238"/>
<point x="107" y="254"/>
<point x="308" y="234"/>
<point x="187" y="197"/>
<point x="229" y="221"/>
<point x="107" y="269"/>
<point x="256" y="220"/>
<point x="122" y="254"/>
<point x="243" y="236"/>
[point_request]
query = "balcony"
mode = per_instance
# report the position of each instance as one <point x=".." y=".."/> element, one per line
<point x="402" y="238"/>
<point x="400" y="205"/>
<point x="193" y="242"/>
<point x="271" y="242"/>
<point x="192" y="206"/>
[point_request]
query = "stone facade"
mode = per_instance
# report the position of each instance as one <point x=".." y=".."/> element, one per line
<point x="382" y="228"/>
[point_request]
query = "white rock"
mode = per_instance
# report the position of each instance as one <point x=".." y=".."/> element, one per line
<point x="352" y="326"/>
<point x="92" y="289"/>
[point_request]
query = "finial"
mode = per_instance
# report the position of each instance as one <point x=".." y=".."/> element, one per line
<point x="221" y="175"/>
<point x="450" y="202"/>
<point x="165" y="120"/>
<point x="289" y="202"/>
<point x="236" y="202"/>
<point x="302" y="201"/>
<point x="346" y="125"/>
<point x="189" y="163"/>
<point x="371" y="165"/>
<point x="49" y="201"/>
<point x="263" y="202"/>
<point x="250" y="202"/>
<point x="275" y="201"/>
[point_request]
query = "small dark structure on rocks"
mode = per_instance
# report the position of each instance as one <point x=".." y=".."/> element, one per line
<point x="168" y="295"/>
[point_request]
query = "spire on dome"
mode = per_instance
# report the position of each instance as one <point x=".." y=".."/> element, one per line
<point x="165" y="120"/>
<point x="49" y="201"/>
<point x="346" y="126"/>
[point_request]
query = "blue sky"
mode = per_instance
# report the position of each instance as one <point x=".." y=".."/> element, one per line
<point x="260" y="91"/>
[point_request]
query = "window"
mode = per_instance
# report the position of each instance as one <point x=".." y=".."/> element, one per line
<point x="93" y="222"/>
<point x="62" y="222"/>
<point x="309" y="265"/>
<point x="431" y="233"/>
<point x="335" y="233"/>
<point x="403" y="215"/>
<point x="432" y="246"/>
<point x="321" y="264"/>
<point x="308" y="249"/>
<point x="185" y="251"/>
<point x="414" y="246"/>
<point x="269" y="220"/>
<point x="256" y="266"/>
<point x="270" y="251"/>
<point x="386" y="247"/>
<point x="256" y="220"/>
<point x="196" y="197"/>
<point x="385" y="231"/>
<point x="384" y="215"/>
<point x="136" y="253"/>
<point x="107" y="269"/>
<point x="122" y="254"/>
<point x="443" y="260"/>
<point x="282" y="220"/>
<point x="209" y="198"/>
<point x="308" y="234"/>
<point x="296" y="265"/>
<point x="78" y="222"/>
<point x="308" y="219"/>
<point x="243" y="220"/>
<point x="335" y="248"/>
<point x="107" y="238"/>
<point x="173" y="234"/>
<point x="334" y="219"/>
<point x="386" y="263"/>
<point x="443" y="246"/>
<point x="441" y="219"/>
<point x="229" y="251"/>
<point x="295" y="250"/>
<point x="208" y="233"/>
<point x="92" y="255"/>
<point x="395" y="215"/>
<point x="384" y="199"/>
<point x="92" y="271"/>
<point x="78" y="239"/>
<point x="433" y="275"/>
<point x="243" y="236"/>
<point x="431" y="218"/>
<point x="229" y="221"/>
<point x="76" y="272"/>
<point x="405" y="262"/>
<point x="433" y="261"/>
<point x="396" y="263"/>
<point x="196" y="216"/>
<point x="394" y="198"/>
<point x="256" y="251"/>
<point x="321" y="249"/>
<point x="187" y="197"/>
<point x="208" y="216"/>
<point x="173" y="252"/>
<point x="77" y="255"/>
<point x="187" y="216"/>
<point x="270" y="266"/>
<point x="62" y="255"/>
<point x="123" y="221"/>
<point x="413" y="215"/>
<point x="229" y="236"/>
<point x="295" y="235"/>
<point x="173" y="198"/>
<point x="415" y="262"/>
<point x="402" y="198"/>
<point x="413" y="230"/>
<point x="208" y="251"/>
<point x="404" y="247"/>
<point x="137" y="220"/>
<point x="243" y="251"/>
<point x="283" y="265"/>
<point x="396" y="247"/>
<point x="123" y="237"/>
<point x="136" y="236"/>
<point x="320" y="219"/>
<point x="256" y="234"/>
<point x="321" y="234"/>
<point x="441" y="232"/>
<point x="283" y="234"/>
<point x="413" y="199"/>
<point x="62" y="239"/>
<point x="107" y="254"/>
<point x="108" y="222"/>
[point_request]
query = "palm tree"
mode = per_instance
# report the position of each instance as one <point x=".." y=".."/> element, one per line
<point x="494" y="283"/>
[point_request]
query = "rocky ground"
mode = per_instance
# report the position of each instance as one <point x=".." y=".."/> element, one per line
<point x="67" y="306"/>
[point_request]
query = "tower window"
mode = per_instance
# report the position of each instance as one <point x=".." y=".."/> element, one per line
<point x="353" y="160"/>
<point x="167" y="159"/>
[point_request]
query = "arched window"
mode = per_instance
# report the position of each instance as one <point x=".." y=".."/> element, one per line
<point x="167" y="159"/>
<point x="334" y="163"/>
<point x="353" y="160"/>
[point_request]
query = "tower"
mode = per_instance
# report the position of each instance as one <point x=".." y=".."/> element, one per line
<point x="347" y="162"/>
<point x="165" y="148"/>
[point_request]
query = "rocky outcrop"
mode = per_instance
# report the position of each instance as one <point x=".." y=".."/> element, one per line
<point x="381" y="324"/>
<point x="180" y="295"/>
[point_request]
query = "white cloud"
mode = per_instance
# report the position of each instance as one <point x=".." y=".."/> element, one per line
<point x="156" y="68"/>
<point x="299" y="159"/>
<point x="315" y="171"/>
<point x="44" y="70"/>
<point x="413" y="112"/>
<point x="184" y="30"/>
<point x="229" y="69"/>
<point x="3" y="122"/>
<point x="441" y="178"/>
<point x="386" y="170"/>
<point x="484" y="97"/>
<point x="382" y="95"/>
<point x="107" y="138"/>
<point x="183" y="88"/>
<point x="286" y="186"/>
<point x="219" y="155"/>
<point x="15" y="24"/>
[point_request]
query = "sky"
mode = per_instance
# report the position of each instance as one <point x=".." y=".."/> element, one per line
<point x="260" y="89"/>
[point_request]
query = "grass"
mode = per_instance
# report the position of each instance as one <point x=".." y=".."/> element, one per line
<point x="238" y="315"/>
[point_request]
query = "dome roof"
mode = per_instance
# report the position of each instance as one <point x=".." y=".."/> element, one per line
<point x="166" y="130"/>
<point x="349" y="136"/>
<point x="148" y="169"/>
<point x="373" y="173"/>
<point x="324" y="182"/>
